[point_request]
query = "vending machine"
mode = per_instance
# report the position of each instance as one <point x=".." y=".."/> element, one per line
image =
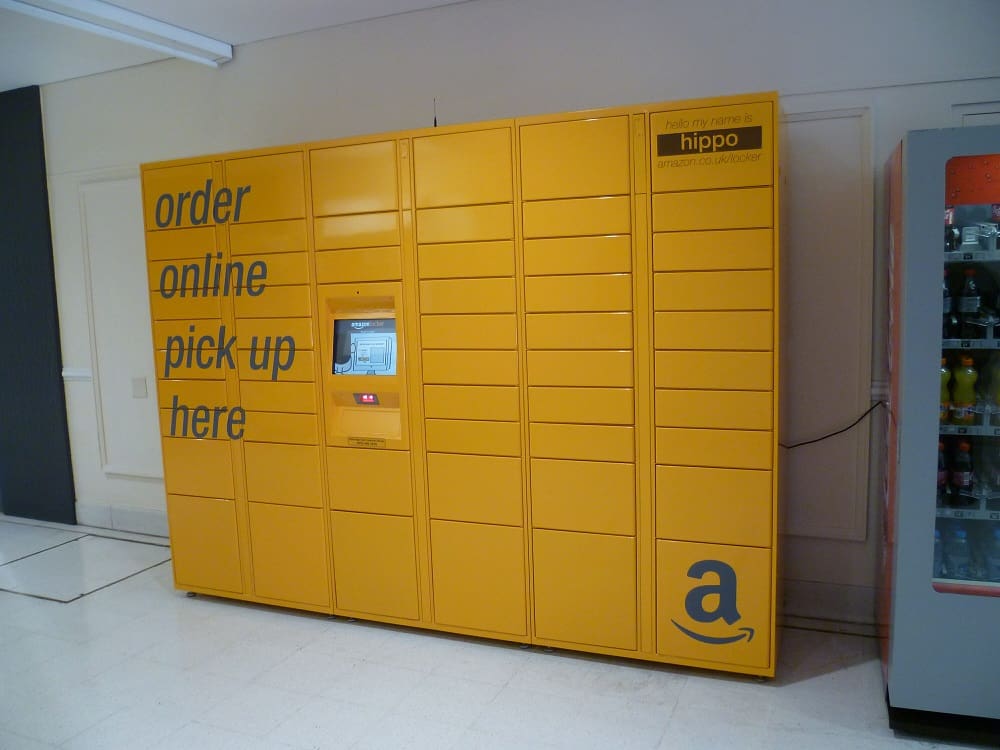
<point x="941" y="604"/>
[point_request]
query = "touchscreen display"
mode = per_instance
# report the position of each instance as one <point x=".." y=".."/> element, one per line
<point x="364" y="346"/>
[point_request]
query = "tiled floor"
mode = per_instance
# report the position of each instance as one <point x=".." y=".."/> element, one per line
<point x="138" y="665"/>
<point x="54" y="563"/>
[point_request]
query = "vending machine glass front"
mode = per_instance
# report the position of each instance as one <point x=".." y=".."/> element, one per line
<point x="967" y="529"/>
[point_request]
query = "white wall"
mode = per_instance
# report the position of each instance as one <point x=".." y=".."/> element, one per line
<point x="868" y="69"/>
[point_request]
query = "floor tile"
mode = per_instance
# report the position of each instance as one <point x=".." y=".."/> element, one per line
<point x="409" y="732"/>
<point x="9" y="741"/>
<point x="322" y="724"/>
<point x="255" y="710"/>
<point x="372" y="684"/>
<point x="137" y="726"/>
<point x="570" y="721"/>
<point x="20" y="540"/>
<point x="71" y="570"/>
<point x="449" y="700"/>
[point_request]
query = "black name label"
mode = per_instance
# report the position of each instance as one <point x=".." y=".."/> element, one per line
<point x="709" y="141"/>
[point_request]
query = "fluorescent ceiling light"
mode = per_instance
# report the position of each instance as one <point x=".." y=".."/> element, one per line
<point x="113" y="22"/>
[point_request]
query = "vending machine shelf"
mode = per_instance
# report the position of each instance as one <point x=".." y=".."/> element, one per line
<point x="971" y="513"/>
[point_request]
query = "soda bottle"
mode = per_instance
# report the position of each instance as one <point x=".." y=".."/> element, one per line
<point x="992" y="556"/>
<point x="943" y="490"/>
<point x="938" y="571"/>
<point x="957" y="552"/>
<point x="962" y="474"/>
<point x="945" y="409"/>
<point x="963" y="394"/>
<point x="969" y="306"/>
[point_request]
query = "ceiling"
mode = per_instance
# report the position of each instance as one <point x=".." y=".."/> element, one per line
<point x="37" y="51"/>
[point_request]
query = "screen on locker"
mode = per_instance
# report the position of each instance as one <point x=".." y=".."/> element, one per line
<point x="364" y="346"/>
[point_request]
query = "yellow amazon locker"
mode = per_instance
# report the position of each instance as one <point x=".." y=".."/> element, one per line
<point x="515" y="379"/>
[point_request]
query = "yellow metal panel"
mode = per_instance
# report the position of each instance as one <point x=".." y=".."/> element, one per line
<point x="712" y="147"/>
<point x="481" y="489"/>
<point x="363" y="264"/>
<point x="612" y="369"/>
<point x="581" y="405"/>
<point x="479" y="579"/>
<point x="204" y="543"/>
<point x="468" y="296"/>
<point x="180" y="243"/>
<point x="717" y="582"/>
<point x="194" y="372"/>
<point x="370" y="481"/>
<point x="723" y="506"/>
<point x="589" y="496"/>
<point x="171" y="181"/>
<point x="576" y="217"/>
<point x="723" y="370"/>
<point x="196" y="420"/>
<point x="463" y="168"/>
<point x="289" y="554"/>
<point x="713" y="330"/>
<point x="737" y="449"/>
<point x="267" y="395"/>
<point x="191" y="392"/>
<point x="354" y="179"/>
<point x="300" y="329"/>
<point x="585" y="589"/>
<point x="278" y="427"/>
<point x="718" y="290"/>
<point x="582" y="442"/>
<point x="713" y="209"/>
<point x="466" y="259"/>
<point x="469" y="331"/>
<point x="282" y="269"/>
<point x="569" y="159"/>
<point x="561" y="255"/>
<point x="741" y="410"/>
<point x="287" y="236"/>
<point x="713" y="250"/>
<point x="374" y="564"/>
<point x="198" y="467"/>
<point x="578" y="293"/>
<point x="284" y="474"/>
<point x="184" y="308"/>
<point x="467" y="224"/>
<point x="275" y="302"/>
<point x="472" y="402"/>
<point x="470" y="367"/>
<point x="479" y="438"/>
<point x="277" y="186"/>
<point x="361" y="230"/>
<point x="163" y="330"/>
<point x="580" y="331"/>
<point x="299" y="368"/>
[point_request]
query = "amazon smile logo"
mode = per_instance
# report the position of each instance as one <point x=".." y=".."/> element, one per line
<point x="723" y="594"/>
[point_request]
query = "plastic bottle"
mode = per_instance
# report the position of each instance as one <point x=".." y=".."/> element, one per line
<point x="963" y="393"/>
<point x="992" y="556"/>
<point x="962" y="475"/>
<point x="945" y="409"/>
<point x="938" y="571"/>
<point x="957" y="552"/>
<point x="951" y="327"/>
<point x="943" y="489"/>
<point x="969" y="304"/>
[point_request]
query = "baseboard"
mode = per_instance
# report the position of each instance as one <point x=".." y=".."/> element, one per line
<point x="833" y="607"/>
<point x="123" y="518"/>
